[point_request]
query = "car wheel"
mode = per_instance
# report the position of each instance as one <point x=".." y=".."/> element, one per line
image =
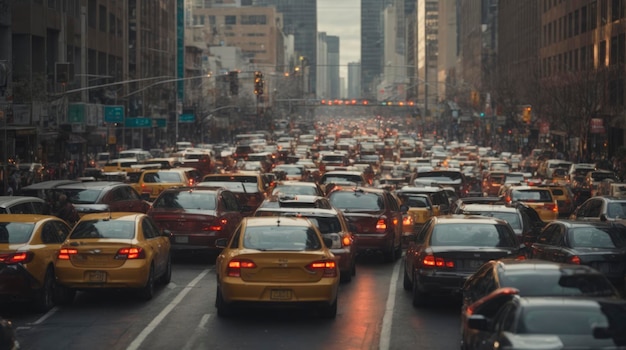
<point x="45" y="296"/>
<point x="419" y="297"/>
<point x="147" y="292"/>
<point x="167" y="275"/>
<point x="330" y="311"/>
<point x="406" y="282"/>
<point x="223" y="309"/>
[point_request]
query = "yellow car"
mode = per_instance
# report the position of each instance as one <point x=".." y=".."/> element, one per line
<point x="28" y="249"/>
<point x="419" y="210"/>
<point x="152" y="182"/>
<point x="274" y="261"/>
<point x="538" y="198"/>
<point x="115" y="250"/>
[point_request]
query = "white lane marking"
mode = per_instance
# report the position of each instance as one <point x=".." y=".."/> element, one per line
<point x="204" y="320"/>
<point x="159" y="318"/>
<point x="192" y="342"/>
<point x="385" y="333"/>
<point x="45" y="317"/>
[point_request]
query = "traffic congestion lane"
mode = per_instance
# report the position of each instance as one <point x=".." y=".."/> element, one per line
<point x="182" y="316"/>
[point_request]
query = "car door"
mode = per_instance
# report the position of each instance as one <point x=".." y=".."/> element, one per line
<point x="590" y="210"/>
<point x="154" y="240"/>
<point x="416" y="247"/>
<point x="229" y="208"/>
<point x="539" y="248"/>
<point x="396" y="214"/>
<point x="53" y="233"/>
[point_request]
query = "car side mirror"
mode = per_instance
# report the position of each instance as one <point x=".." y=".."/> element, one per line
<point x="603" y="217"/>
<point x="404" y="208"/>
<point x="478" y="322"/>
<point x="167" y="233"/>
<point x="221" y="242"/>
<point x="328" y="242"/>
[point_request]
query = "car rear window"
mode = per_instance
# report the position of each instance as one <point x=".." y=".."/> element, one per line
<point x="472" y="235"/>
<point x="549" y="283"/>
<point x="326" y="224"/>
<point x="532" y="196"/>
<point x="357" y="201"/>
<point x="414" y="201"/>
<point x="596" y="237"/>
<point x="15" y="232"/>
<point x="120" y="229"/>
<point x="294" y="189"/>
<point x="292" y="238"/>
<point x="189" y="200"/>
<point x="80" y="196"/>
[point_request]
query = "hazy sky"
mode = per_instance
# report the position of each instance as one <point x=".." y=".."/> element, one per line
<point x="342" y="18"/>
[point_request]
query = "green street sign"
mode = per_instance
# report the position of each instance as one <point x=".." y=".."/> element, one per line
<point x="161" y="122"/>
<point x="76" y="113"/>
<point x="186" y="118"/>
<point x="139" y="122"/>
<point x="113" y="114"/>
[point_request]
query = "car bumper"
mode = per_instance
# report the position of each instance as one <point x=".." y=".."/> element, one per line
<point x="431" y="281"/>
<point x="373" y="241"/>
<point x="237" y="290"/>
<point x="132" y="274"/>
<point x="344" y="258"/>
<point x="16" y="281"/>
<point x="185" y="241"/>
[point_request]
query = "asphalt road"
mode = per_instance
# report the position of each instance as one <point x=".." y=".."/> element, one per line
<point x="374" y="312"/>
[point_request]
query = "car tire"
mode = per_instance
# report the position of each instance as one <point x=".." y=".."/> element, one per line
<point x="419" y="297"/>
<point x="330" y="311"/>
<point x="406" y="282"/>
<point x="167" y="275"/>
<point x="44" y="299"/>
<point x="223" y="309"/>
<point x="147" y="292"/>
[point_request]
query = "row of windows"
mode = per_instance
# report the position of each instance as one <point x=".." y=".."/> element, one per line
<point x="583" y="58"/>
<point x="97" y="16"/>
<point x="581" y="20"/>
<point x="231" y="20"/>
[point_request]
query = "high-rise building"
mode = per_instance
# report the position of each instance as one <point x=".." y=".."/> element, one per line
<point x="300" y="20"/>
<point x="354" y="80"/>
<point x="427" y="48"/>
<point x="372" y="46"/>
<point x="448" y="49"/>
<point x="322" y="79"/>
<point x="332" y="44"/>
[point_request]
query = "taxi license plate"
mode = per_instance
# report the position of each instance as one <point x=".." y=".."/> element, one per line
<point x="280" y="294"/>
<point x="97" y="276"/>
<point x="475" y="263"/>
<point x="181" y="239"/>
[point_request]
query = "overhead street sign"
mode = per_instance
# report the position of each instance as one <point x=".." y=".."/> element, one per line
<point x="139" y="122"/>
<point x="114" y="114"/>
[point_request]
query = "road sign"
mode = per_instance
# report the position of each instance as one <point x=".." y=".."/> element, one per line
<point x="114" y="114"/>
<point x="186" y="118"/>
<point x="139" y="122"/>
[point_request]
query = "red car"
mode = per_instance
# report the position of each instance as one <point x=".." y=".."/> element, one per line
<point x="374" y="217"/>
<point x="196" y="216"/>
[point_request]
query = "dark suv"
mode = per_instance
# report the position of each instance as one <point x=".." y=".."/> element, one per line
<point x="375" y="218"/>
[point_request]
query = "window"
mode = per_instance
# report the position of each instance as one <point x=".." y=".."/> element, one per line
<point x="593" y="15"/>
<point x="602" y="54"/>
<point x="576" y="22"/>
<point x="604" y="9"/>
<point x="621" y="49"/>
<point x="111" y="23"/>
<point x="616" y="10"/>
<point x="613" y="51"/>
<point x="583" y="19"/>
<point x="253" y="19"/>
<point x="91" y="13"/>
<point x="102" y="18"/>
<point x="570" y="25"/>
<point x="230" y="20"/>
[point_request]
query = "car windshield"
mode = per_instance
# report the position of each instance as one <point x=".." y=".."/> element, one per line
<point x="291" y="238"/>
<point x="120" y="229"/>
<point x="554" y="283"/>
<point x="472" y="235"/>
<point x="190" y="200"/>
<point x="15" y="232"/>
<point x="616" y="210"/>
<point x="531" y="196"/>
<point x="597" y="237"/>
<point x="549" y="320"/>
<point x="80" y="196"/>
<point x="340" y="179"/>
<point x="326" y="224"/>
<point x="357" y="201"/>
<point x="512" y="218"/>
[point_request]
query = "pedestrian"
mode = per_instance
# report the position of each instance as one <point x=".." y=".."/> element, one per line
<point x="66" y="211"/>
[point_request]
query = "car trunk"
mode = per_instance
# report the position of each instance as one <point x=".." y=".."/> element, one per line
<point x="369" y="222"/>
<point x="469" y="259"/>
<point x="181" y="221"/>
<point x="282" y="266"/>
<point x="98" y="253"/>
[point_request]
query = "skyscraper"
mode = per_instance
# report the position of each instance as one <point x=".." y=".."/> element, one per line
<point x="300" y="20"/>
<point x="371" y="45"/>
<point x="332" y="43"/>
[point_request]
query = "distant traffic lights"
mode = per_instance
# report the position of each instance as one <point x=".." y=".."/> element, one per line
<point x="233" y="78"/>
<point x="258" y="83"/>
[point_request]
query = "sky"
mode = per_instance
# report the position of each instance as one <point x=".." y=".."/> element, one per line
<point x="342" y="18"/>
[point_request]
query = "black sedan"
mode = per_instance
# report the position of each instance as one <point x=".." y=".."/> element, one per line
<point x="449" y="249"/>
<point x="548" y="322"/>
<point x="601" y="245"/>
<point x="531" y="278"/>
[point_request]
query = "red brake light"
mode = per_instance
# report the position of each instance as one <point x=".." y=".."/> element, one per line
<point x="329" y="267"/>
<point x="575" y="260"/>
<point x="235" y="266"/>
<point x="346" y="241"/>
<point x="130" y="253"/>
<point x="381" y="225"/>
<point x="16" y="258"/>
<point x="432" y="261"/>
<point x="64" y="254"/>
<point x="218" y="226"/>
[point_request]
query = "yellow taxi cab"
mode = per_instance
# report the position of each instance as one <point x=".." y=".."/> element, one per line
<point x="276" y="261"/>
<point x="29" y="244"/>
<point x="419" y="210"/>
<point x="538" y="198"/>
<point x="120" y="164"/>
<point x="115" y="250"/>
<point x="152" y="182"/>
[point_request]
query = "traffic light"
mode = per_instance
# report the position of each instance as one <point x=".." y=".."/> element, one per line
<point x="526" y="114"/>
<point x="233" y="78"/>
<point x="258" y="83"/>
